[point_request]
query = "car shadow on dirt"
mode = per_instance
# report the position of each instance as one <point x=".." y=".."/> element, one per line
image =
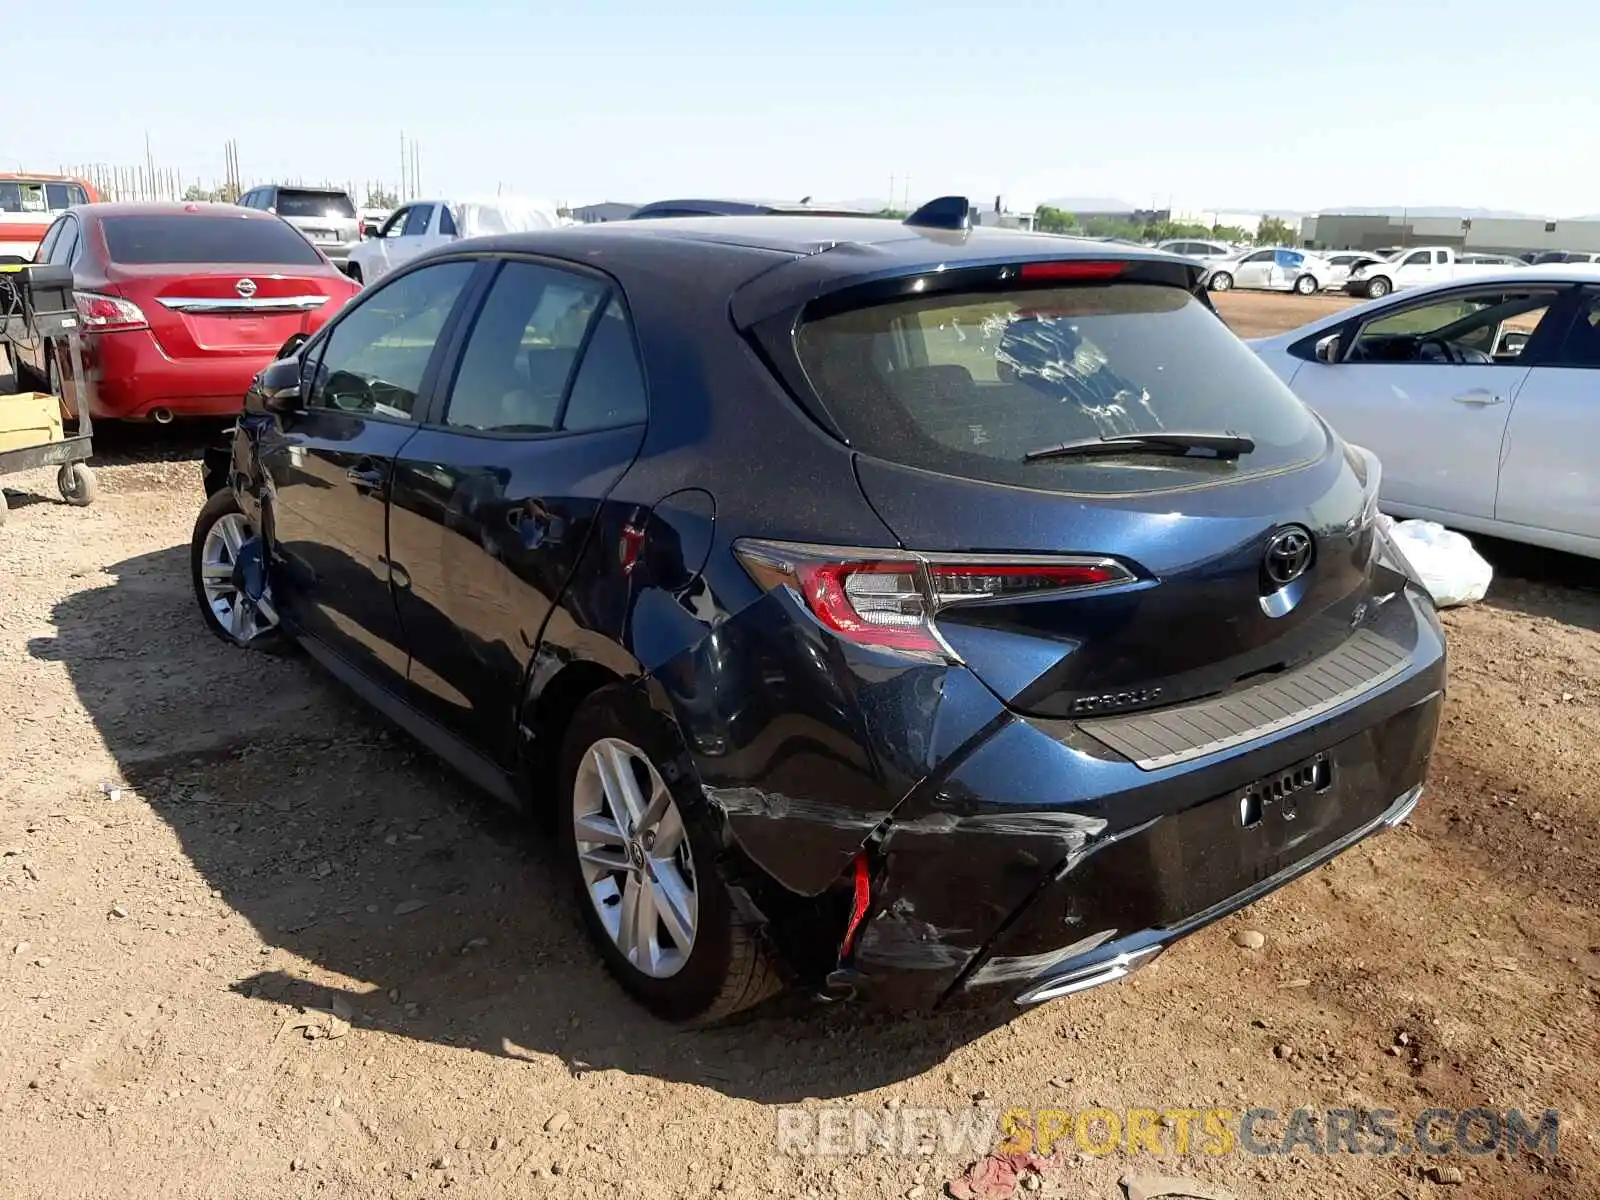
<point x="389" y="892"/>
<point x="1543" y="583"/>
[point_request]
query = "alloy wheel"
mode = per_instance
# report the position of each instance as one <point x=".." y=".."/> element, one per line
<point x="636" y="859"/>
<point x="243" y="619"/>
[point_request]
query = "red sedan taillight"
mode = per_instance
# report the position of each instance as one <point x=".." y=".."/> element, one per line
<point x="889" y="599"/>
<point x="107" y="314"/>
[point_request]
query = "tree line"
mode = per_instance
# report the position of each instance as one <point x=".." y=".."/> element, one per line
<point x="1273" y="231"/>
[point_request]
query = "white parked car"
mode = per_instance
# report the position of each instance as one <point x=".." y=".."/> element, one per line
<point x="1422" y="264"/>
<point x="1344" y="262"/>
<point x="1199" y="249"/>
<point x="420" y="225"/>
<point x="1478" y="396"/>
<point x="1272" y="268"/>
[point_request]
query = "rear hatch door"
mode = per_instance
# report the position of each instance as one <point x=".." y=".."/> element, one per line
<point x="1244" y="564"/>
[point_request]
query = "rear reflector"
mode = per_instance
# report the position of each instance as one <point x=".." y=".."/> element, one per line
<point x="890" y="599"/>
<point x="106" y="314"/>
<point x="1036" y="272"/>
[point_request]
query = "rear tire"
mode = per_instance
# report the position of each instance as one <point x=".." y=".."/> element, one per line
<point x="1378" y="288"/>
<point x="218" y="532"/>
<point x="1221" y="282"/>
<point x="615" y="739"/>
<point x="354" y="271"/>
<point x="1306" y="285"/>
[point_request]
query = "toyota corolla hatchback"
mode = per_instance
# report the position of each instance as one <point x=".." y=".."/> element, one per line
<point x="919" y="613"/>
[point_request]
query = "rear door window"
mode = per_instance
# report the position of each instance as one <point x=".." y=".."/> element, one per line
<point x="968" y="385"/>
<point x="523" y="349"/>
<point x="192" y="238"/>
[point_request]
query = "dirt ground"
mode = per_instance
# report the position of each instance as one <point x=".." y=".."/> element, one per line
<point x="254" y="944"/>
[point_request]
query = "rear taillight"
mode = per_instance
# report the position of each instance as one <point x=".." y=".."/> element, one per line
<point x="109" y="313"/>
<point x="890" y="599"/>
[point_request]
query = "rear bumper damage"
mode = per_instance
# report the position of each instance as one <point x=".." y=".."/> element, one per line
<point x="1079" y="969"/>
<point x="1039" y="865"/>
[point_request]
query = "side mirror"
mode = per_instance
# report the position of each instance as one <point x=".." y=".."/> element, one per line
<point x="277" y="388"/>
<point x="1327" y="349"/>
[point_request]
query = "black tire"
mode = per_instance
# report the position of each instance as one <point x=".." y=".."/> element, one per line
<point x="1306" y="285"/>
<point x="353" y="270"/>
<point x="223" y="504"/>
<point x="727" y="970"/>
<point x="77" y="485"/>
<point x="1378" y="287"/>
<point x="5" y="509"/>
<point x="1220" y="281"/>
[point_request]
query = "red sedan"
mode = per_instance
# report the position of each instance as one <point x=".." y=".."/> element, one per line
<point x="181" y="304"/>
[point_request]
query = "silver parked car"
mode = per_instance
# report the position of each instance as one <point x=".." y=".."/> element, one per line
<point x="1271" y="268"/>
<point x="1198" y="249"/>
<point x="327" y="216"/>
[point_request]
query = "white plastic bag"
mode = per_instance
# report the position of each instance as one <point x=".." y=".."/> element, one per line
<point x="1451" y="570"/>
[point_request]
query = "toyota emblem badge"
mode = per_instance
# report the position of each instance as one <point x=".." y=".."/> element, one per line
<point x="1288" y="555"/>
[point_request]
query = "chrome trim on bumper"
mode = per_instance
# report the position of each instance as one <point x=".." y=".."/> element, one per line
<point x="224" y="304"/>
<point x="1138" y="949"/>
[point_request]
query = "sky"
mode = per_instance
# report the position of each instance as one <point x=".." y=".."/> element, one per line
<point x="1281" y="106"/>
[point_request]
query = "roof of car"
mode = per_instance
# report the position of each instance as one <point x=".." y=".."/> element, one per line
<point x="169" y="208"/>
<point x="882" y="242"/>
<point x="747" y="208"/>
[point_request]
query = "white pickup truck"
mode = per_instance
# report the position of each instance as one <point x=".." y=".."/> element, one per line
<point x="1421" y="264"/>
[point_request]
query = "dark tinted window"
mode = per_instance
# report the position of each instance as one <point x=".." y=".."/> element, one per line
<point x="1581" y="346"/>
<point x="967" y="385"/>
<point x="447" y="221"/>
<point x="417" y="221"/>
<point x="1420" y="259"/>
<point x="300" y="202"/>
<point x="609" y="389"/>
<point x="376" y="355"/>
<point x="1261" y="256"/>
<point x="522" y="350"/>
<point x="57" y="196"/>
<point x="189" y="238"/>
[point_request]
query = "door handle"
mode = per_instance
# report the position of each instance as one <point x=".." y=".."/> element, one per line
<point x="1479" y="397"/>
<point x="366" y="478"/>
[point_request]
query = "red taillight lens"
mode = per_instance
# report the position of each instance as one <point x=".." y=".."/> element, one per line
<point x="1036" y="272"/>
<point x="890" y="600"/>
<point x="108" y="313"/>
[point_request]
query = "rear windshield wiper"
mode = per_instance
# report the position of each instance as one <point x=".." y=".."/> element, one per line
<point x="1222" y="445"/>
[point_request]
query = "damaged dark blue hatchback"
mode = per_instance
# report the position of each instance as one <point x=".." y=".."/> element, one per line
<point x="913" y="612"/>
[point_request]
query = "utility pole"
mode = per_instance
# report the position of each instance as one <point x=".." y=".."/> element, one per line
<point x="404" y="194"/>
<point x="908" y="193"/>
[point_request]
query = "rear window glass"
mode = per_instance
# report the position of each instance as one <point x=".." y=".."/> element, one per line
<point x="295" y="203"/>
<point x="172" y="238"/>
<point x="968" y="385"/>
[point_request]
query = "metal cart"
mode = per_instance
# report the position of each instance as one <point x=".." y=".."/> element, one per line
<point x="71" y="454"/>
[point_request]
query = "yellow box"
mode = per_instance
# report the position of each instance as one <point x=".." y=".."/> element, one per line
<point x="29" y="419"/>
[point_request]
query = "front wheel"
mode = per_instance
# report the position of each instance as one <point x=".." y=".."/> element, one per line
<point x="222" y="553"/>
<point x="1306" y="285"/>
<point x="1221" y="282"/>
<point x="645" y="872"/>
<point x="1378" y="288"/>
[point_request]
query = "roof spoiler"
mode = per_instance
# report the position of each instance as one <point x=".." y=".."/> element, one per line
<point x="947" y="212"/>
